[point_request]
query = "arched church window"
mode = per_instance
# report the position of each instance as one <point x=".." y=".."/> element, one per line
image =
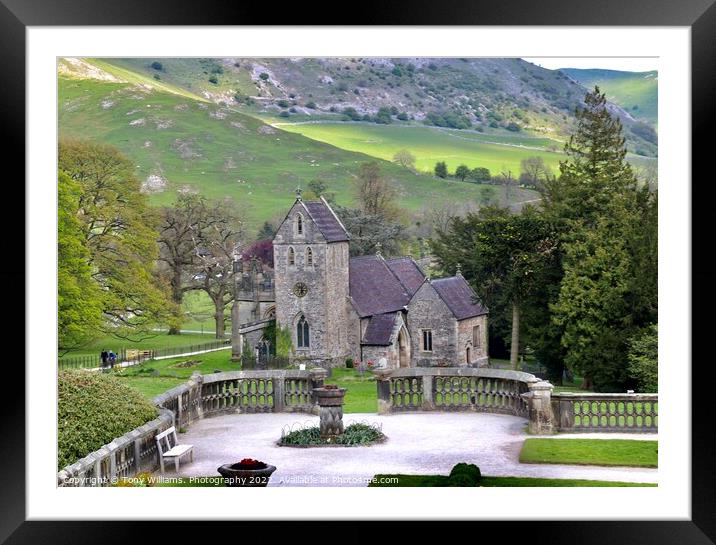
<point x="299" y="224"/>
<point x="291" y="257"/>
<point x="303" y="335"/>
<point x="309" y="257"/>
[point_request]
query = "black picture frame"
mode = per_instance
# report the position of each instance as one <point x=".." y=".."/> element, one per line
<point x="699" y="15"/>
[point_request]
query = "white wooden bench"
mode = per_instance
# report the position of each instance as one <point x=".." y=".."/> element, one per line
<point x="167" y="448"/>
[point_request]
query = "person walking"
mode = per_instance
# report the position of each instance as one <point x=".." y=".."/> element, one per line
<point x="104" y="356"/>
<point x="112" y="359"/>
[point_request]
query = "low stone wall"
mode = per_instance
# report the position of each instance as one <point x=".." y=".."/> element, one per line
<point x="586" y="412"/>
<point x="466" y="389"/>
<point x="201" y="396"/>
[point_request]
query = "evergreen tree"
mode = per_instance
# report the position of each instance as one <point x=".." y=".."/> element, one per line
<point x="441" y="169"/>
<point x="608" y="229"/>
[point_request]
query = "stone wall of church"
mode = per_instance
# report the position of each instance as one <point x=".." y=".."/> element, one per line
<point x="324" y="304"/>
<point x="466" y="339"/>
<point x="353" y="333"/>
<point x="427" y="311"/>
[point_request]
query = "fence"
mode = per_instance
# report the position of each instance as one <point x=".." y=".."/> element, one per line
<point x="586" y="412"/>
<point x="200" y="397"/>
<point x="129" y="356"/>
<point x="264" y="363"/>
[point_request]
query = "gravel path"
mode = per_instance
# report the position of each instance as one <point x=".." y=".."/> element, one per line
<point x="418" y="443"/>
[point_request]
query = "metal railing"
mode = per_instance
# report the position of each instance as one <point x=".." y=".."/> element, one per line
<point x="133" y="356"/>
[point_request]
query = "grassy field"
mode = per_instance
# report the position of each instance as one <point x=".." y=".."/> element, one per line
<point x="601" y="452"/>
<point x="442" y="480"/>
<point x="430" y="145"/>
<point x="497" y="152"/>
<point x="627" y="89"/>
<point x="184" y="143"/>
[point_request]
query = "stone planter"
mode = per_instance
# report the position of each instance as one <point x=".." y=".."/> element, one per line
<point x="236" y="475"/>
<point x="330" y="403"/>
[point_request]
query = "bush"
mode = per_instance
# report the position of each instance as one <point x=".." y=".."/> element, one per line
<point x="157" y="65"/>
<point x="93" y="409"/>
<point x="284" y="114"/>
<point x="264" y="76"/>
<point x="214" y="80"/>
<point x="349" y="363"/>
<point x="463" y="472"/>
<point x="311" y="105"/>
<point x="283" y="103"/>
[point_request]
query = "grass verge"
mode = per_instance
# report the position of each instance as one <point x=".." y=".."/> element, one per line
<point x="442" y="480"/>
<point x="600" y="452"/>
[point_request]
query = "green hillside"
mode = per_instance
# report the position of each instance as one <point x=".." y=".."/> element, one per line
<point x="181" y="142"/>
<point x="503" y="96"/>
<point x="636" y="92"/>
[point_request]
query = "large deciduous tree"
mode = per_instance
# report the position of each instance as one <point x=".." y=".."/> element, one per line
<point x="79" y="298"/>
<point x="502" y="255"/>
<point x="119" y="230"/>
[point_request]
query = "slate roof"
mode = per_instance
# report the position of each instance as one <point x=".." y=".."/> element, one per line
<point x="374" y="288"/>
<point x="380" y="327"/>
<point x="408" y="272"/>
<point x="326" y="221"/>
<point x="458" y="296"/>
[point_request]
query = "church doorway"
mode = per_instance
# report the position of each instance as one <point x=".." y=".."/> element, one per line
<point x="403" y="348"/>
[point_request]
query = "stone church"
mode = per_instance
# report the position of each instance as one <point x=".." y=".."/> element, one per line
<point x="366" y="308"/>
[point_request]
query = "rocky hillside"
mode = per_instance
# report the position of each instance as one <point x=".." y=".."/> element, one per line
<point x="487" y="95"/>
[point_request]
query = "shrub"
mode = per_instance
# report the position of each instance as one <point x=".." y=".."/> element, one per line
<point x="349" y="363"/>
<point x="157" y="65"/>
<point x="283" y="103"/>
<point x="284" y="114"/>
<point x="264" y="76"/>
<point x="311" y="105"/>
<point x="514" y="127"/>
<point x="466" y="472"/>
<point x="214" y="80"/>
<point x="157" y="77"/>
<point x="93" y="409"/>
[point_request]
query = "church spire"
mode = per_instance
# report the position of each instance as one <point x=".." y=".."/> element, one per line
<point x="458" y="270"/>
<point x="298" y="193"/>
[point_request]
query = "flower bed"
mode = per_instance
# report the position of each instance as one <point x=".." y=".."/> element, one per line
<point x="355" y="434"/>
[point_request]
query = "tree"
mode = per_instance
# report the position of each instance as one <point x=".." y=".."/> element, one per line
<point x="441" y="169"/>
<point x="79" y="298"/>
<point x="643" y="359"/>
<point x="405" y="159"/>
<point x="488" y="196"/>
<point x="261" y="250"/>
<point x="608" y="232"/>
<point x="461" y="172"/>
<point x="182" y="224"/>
<point x="480" y="174"/>
<point x="534" y="171"/>
<point x="267" y="231"/>
<point x="375" y="195"/>
<point x="369" y="230"/>
<point x="216" y="247"/>
<point x="120" y="233"/>
<point x="317" y="189"/>
<point x="502" y="256"/>
<point x="508" y="182"/>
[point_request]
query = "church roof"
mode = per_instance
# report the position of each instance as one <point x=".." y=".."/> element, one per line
<point x="458" y="296"/>
<point x="408" y="272"/>
<point x="374" y="288"/>
<point x="379" y="330"/>
<point x="326" y="221"/>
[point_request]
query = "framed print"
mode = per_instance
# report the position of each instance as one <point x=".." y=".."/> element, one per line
<point x="422" y="253"/>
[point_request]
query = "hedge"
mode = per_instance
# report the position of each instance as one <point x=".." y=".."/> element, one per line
<point x="93" y="409"/>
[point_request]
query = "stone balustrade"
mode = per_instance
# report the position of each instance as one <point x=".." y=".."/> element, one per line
<point x="586" y="412"/>
<point x="201" y="396"/>
<point x="466" y="389"/>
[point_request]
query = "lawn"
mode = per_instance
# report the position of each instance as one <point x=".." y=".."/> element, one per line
<point x="442" y="480"/>
<point x="154" y="377"/>
<point x="601" y="452"/>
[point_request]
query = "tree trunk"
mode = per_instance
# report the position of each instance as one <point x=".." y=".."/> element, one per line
<point x="587" y="383"/>
<point x="515" y="344"/>
<point x="219" y="319"/>
<point x="177" y="296"/>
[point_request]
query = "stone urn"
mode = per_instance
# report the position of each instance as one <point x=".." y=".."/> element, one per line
<point x="330" y="402"/>
<point x="247" y="472"/>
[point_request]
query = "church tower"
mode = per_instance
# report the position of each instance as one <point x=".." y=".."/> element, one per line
<point x="311" y="281"/>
